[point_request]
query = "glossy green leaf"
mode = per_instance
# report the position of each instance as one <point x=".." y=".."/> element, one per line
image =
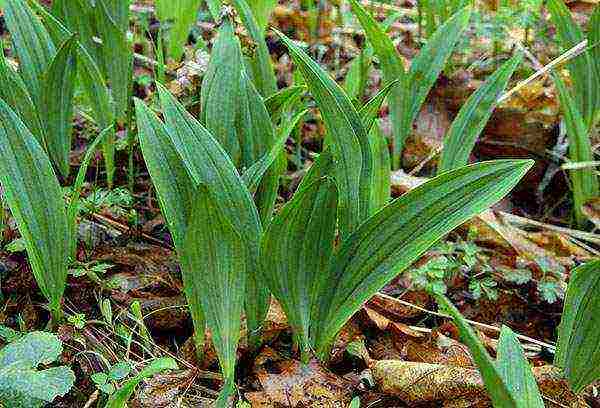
<point x="215" y="275"/>
<point x="220" y="87"/>
<point x="182" y="14"/>
<point x="121" y="396"/>
<point x="594" y="43"/>
<point x="396" y="236"/>
<point x="207" y="163"/>
<point x="15" y="93"/>
<point x="585" y="80"/>
<point x="349" y="142"/>
<point x="56" y="108"/>
<point x="295" y="248"/>
<point x="497" y="388"/>
<point x="474" y="115"/>
<point x="36" y="201"/>
<point x="577" y="352"/>
<point x="32" y="44"/>
<point x="259" y="63"/>
<point x="276" y="102"/>
<point x="584" y="180"/>
<point x="514" y="369"/>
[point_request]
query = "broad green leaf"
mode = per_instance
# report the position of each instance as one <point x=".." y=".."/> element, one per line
<point x="322" y="167"/>
<point x="393" y="70"/>
<point x="349" y="142"/>
<point x="253" y="176"/>
<point x="183" y="14"/>
<point x="584" y="181"/>
<point x="497" y="388"/>
<point x="396" y="236"/>
<point x="253" y="125"/>
<point x="474" y="115"/>
<point x="56" y="108"/>
<point x="215" y="275"/>
<point x="33" y="349"/>
<point x="586" y="88"/>
<point x="209" y="164"/>
<point x="220" y="88"/>
<point x="121" y="396"/>
<point x="381" y="183"/>
<point x="15" y="93"/>
<point x="118" y="11"/>
<point x="514" y="369"/>
<point x="36" y="201"/>
<point x="25" y="387"/>
<point x="295" y="248"/>
<point x="577" y="352"/>
<point x="262" y="10"/>
<point x="258" y="64"/>
<point x="32" y="44"/>
<point x="116" y="53"/>
<point x="355" y="403"/>
<point x="77" y="16"/>
<point x="175" y="187"/>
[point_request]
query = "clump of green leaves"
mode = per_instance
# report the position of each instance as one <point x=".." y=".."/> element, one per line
<point x="22" y="385"/>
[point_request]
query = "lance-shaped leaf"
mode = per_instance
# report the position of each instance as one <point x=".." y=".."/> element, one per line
<point x="207" y="163"/>
<point x="32" y="45"/>
<point x="577" y="352"/>
<point x="393" y="70"/>
<point x="349" y="142"/>
<point x="259" y="63"/>
<point x="516" y="372"/>
<point x="175" y="188"/>
<point x="276" y="102"/>
<point x="474" y="115"/>
<point x="56" y="108"/>
<point x="496" y="386"/>
<point x="253" y="124"/>
<point x="396" y="236"/>
<point x="584" y="180"/>
<point x="427" y="66"/>
<point x="586" y="87"/>
<point x="98" y="95"/>
<point x="215" y="275"/>
<point x="183" y="14"/>
<point x="36" y="201"/>
<point x="295" y="249"/>
<point x="220" y="87"/>
<point x="116" y="53"/>
<point x="15" y="93"/>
